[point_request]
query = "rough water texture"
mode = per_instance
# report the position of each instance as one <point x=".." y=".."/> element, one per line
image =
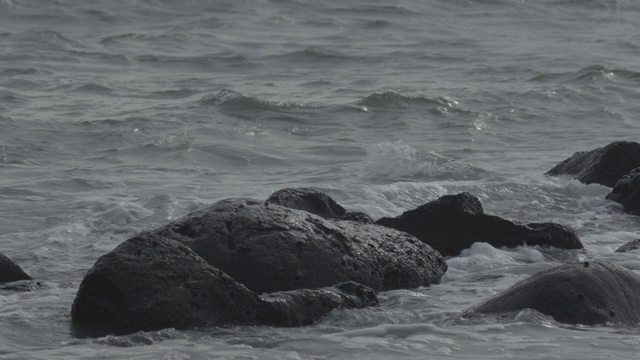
<point x="123" y="116"/>
<point x="269" y="248"/>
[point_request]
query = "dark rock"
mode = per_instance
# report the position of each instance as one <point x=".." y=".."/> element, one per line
<point x="630" y="246"/>
<point x="150" y="283"/>
<point x="304" y="306"/>
<point x="627" y="192"/>
<point x="605" y="165"/>
<point x="273" y="248"/>
<point x="315" y="202"/>
<point x="10" y="271"/>
<point x="584" y="293"/>
<point x="454" y="222"/>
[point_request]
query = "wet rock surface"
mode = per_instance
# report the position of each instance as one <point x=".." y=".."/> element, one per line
<point x="627" y="192"/>
<point x="452" y="223"/>
<point x="10" y="271"/>
<point x="583" y="293"/>
<point x="150" y="283"/>
<point x="630" y="246"/>
<point x="271" y="248"/>
<point x="306" y="306"/>
<point x="315" y="202"/>
<point x="605" y="165"/>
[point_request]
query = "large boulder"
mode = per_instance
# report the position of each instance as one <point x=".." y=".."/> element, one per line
<point x="150" y="282"/>
<point x="10" y="271"/>
<point x="271" y="248"/>
<point x="584" y="293"/>
<point x="315" y="202"/>
<point x="627" y="192"/>
<point x="630" y="246"/>
<point x="452" y="223"/>
<point x="605" y="165"/>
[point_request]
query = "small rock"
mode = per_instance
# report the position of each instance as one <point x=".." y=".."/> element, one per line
<point x="453" y="223"/>
<point x="605" y="165"/>
<point x="10" y="271"/>
<point x="627" y="192"/>
<point x="315" y="202"/>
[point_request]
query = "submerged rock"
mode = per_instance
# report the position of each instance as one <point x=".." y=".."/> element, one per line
<point x="452" y="223"/>
<point x="306" y="306"/>
<point x="271" y="248"/>
<point x="585" y="293"/>
<point x="630" y="246"/>
<point x="605" y="165"/>
<point x="10" y="271"/>
<point x="149" y="283"/>
<point x="627" y="192"/>
<point x="315" y="202"/>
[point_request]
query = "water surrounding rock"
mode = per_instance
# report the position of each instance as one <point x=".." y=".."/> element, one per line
<point x="271" y="248"/>
<point x="583" y="293"/>
<point x="605" y="165"/>
<point x="315" y="202"/>
<point x="10" y="271"/>
<point x="627" y="192"/>
<point x="452" y="223"/>
<point x="630" y="246"/>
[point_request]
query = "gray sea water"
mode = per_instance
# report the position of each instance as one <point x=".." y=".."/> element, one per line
<point x="119" y="116"/>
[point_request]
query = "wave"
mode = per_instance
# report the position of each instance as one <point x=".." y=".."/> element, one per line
<point x="234" y="100"/>
<point x="392" y="99"/>
<point x="314" y="55"/>
<point x="399" y="160"/>
<point x="588" y="75"/>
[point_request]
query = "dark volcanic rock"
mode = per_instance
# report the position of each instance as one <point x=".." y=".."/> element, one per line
<point x="605" y="165"/>
<point x="315" y="202"/>
<point x="585" y="293"/>
<point x="150" y="283"/>
<point x="627" y="192"/>
<point x="630" y="246"/>
<point x="454" y="222"/>
<point x="304" y="306"/>
<point x="10" y="271"/>
<point x="271" y="248"/>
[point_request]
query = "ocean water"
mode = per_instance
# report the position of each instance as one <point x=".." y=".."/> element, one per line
<point x="119" y="116"/>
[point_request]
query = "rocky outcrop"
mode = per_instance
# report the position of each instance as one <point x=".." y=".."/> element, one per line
<point x="605" y="165"/>
<point x="630" y="246"/>
<point x="315" y="202"/>
<point x="627" y="192"/>
<point x="271" y="248"/>
<point x="585" y="293"/>
<point x="10" y="271"/>
<point x="149" y="283"/>
<point x="454" y="222"/>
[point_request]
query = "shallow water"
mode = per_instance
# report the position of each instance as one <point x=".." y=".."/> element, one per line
<point x="119" y="116"/>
